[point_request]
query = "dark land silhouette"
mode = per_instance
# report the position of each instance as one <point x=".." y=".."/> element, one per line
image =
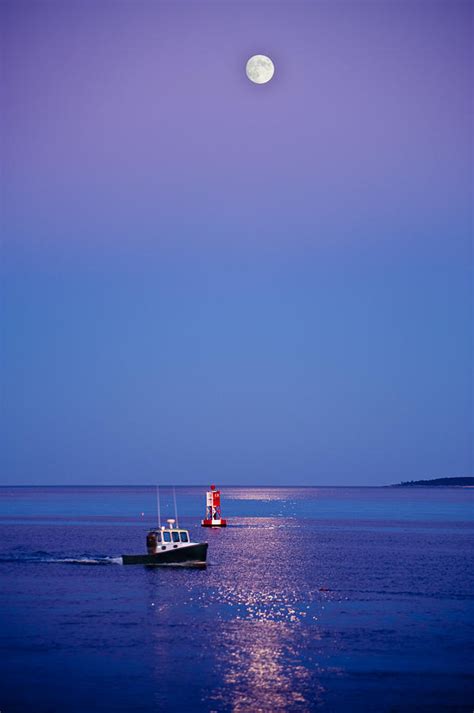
<point x="446" y="482"/>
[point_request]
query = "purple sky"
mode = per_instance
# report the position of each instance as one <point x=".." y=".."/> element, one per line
<point x="203" y="278"/>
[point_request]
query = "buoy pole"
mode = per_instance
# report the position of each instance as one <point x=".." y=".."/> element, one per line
<point x="213" y="516"/>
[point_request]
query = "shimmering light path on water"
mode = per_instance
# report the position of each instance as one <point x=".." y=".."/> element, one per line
<point x="314" y="598"/>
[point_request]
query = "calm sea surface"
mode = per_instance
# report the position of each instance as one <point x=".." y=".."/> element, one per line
<point x="354" y="599"/>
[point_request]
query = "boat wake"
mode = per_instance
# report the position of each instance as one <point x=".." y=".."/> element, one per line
<point x="45" y="558"/>
<point x="88" y="560"/>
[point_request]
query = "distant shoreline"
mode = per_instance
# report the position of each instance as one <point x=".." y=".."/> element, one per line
<point x="465" y="482"/>
<point x="437" y="482"/>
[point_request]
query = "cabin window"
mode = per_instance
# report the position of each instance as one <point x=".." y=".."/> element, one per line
<point x="175" y="536"/>
<point x="184" y="537"/>
<point x="158" y="536"/>
<point x="166" y="536"/>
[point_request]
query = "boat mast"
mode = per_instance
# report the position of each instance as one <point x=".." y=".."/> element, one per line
<point x="175" y="508"/>
<point x="158" y="505"/>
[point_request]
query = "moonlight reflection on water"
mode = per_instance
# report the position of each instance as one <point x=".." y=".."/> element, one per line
<point x="347" y="595"/>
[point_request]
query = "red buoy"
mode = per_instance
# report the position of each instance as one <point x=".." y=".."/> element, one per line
<point x="213" y="516"/>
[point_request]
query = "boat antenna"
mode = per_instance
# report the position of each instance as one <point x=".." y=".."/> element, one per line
<point x="158" y="505"/>
<point x="175" y="508"/>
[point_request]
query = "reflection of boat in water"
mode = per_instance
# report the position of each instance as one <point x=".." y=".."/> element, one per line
<point x="170" y="546"/>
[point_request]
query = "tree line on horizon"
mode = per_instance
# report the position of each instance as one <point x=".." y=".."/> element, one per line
<point x="462" y="481"/>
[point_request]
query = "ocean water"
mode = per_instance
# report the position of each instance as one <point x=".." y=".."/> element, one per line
<point x="331" y="599"/>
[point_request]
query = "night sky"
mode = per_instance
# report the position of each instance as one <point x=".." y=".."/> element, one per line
<point x="204" y="279"/>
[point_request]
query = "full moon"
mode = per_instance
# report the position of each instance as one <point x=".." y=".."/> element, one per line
<point x="259" y="69"/>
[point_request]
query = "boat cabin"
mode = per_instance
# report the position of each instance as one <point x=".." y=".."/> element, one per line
<point x="163" y="539"/>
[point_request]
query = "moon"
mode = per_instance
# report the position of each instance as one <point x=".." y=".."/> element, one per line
<point x="260" y="69"/>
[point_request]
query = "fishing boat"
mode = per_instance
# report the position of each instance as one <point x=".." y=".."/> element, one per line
<point x="171" y="545"/>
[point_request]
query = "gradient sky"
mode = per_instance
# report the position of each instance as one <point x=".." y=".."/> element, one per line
<point x="207" y="280"/>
